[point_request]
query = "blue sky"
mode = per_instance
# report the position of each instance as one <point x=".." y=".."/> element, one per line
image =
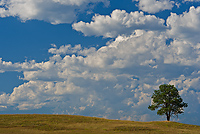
<point x="101" y="58"/>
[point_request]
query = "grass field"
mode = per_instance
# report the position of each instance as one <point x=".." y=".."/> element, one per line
<point x="68" y="124"/>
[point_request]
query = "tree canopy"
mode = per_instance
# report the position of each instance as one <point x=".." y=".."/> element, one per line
<point x="168" y="100"/>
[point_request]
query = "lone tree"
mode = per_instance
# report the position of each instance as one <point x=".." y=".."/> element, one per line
<point x="168" y="100"/>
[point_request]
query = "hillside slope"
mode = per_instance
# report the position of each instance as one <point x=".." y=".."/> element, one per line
<point x="62" y="124"/>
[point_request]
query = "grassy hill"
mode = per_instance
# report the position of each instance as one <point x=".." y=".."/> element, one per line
<point x="62" y="124"/>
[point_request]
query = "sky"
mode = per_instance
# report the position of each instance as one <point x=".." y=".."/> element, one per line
<point x="98" y="58"/>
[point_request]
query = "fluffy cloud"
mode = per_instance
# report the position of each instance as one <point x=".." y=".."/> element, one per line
<point x="115" y="81"/>
<point x="65" y="49"/>
<point x="9" y="66"/>
<point x="184" y="53"/>
<point x="119" y="22"/>
<point x="80" y="2"/>
<point x="53" y="11"/>
<point x="153" y="6"/>
<point x="185" y="26"/>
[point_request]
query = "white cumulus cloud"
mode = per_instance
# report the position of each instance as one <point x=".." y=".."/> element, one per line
<point x="185" y="26"/>
<point x="53" y="11"/>
<point x="154" y="6"/>
<point x="119" y="22"/>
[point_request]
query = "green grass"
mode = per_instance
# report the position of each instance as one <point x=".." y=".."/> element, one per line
<point x="62" y="124"/>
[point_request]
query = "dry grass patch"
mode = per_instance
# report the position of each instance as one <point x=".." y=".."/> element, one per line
<point x="60" y="124"/>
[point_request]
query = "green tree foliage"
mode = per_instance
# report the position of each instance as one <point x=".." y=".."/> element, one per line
<point x="168" y="100"/>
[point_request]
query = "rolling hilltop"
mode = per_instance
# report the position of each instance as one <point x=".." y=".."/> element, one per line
<point x="70" y="124"/>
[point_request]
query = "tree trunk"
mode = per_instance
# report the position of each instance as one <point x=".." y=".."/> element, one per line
<point x="168" y="117"/>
